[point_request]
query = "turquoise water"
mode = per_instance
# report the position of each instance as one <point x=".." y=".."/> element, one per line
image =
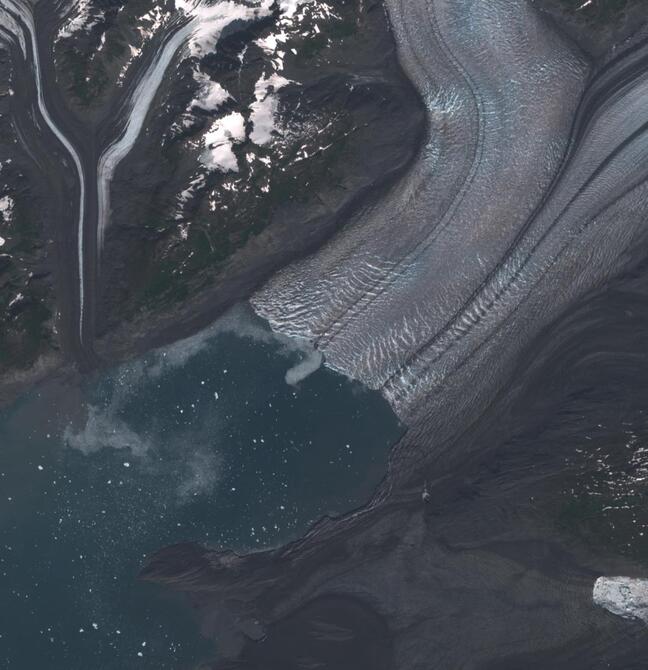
<point x="204" y="441"/>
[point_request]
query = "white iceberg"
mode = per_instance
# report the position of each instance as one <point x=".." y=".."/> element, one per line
<point x="626" y="597"/>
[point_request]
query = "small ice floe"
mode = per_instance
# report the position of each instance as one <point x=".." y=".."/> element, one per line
<point x="264" y="108"/>
<point x="2" y="241"/>
<point x="219" y="141"/>
<point x="211" y="95"/>
<point x="626" y="597"/>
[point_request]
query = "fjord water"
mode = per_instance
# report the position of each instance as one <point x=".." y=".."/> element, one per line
<point x="204" y="441"/>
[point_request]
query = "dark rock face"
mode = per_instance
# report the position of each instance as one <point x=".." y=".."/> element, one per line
<point x="596" y="26"/>
<point x="28" y="218"/>
<point x="184" y="243"/>
<point x="328" y="632"/>
<point x="267" y="125"/>
<point x="484" y="575"/>
<point x="495" y="393"/>
<point x="477" y="576"/>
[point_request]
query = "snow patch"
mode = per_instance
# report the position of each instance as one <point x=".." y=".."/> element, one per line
<point x="16" y="300"/>
<point x="81" y="16"/>
<point x="211" y="95"/>
<point x="207" y="21"/>
<point x="6" y="208"/>
<point x="289" y="7"/>
<point x="150" y="23"/>
<point x="219" y="141"/>
<point x="197" y="36"/>
<point x="185" y="197"/>
<point x="264" y="108"/>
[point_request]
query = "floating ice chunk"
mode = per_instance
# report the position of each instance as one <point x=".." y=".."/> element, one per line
<point x="626" y="597"/>
<point x="6" y="207"/>
<point x="2" y="241"/>
<point x="264" y="108"/>
<point x="219" y="140"/>
<point x="211" y="95"/>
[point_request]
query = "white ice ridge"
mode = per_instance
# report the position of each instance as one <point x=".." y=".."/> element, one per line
<point x="626" y="597"/>
<point x="15" y="10"/>
<point x="201" y="30"/>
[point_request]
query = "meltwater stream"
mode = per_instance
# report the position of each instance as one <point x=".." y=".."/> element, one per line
<point x="202" y="441"/>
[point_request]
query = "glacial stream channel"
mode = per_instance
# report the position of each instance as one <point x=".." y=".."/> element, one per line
<point x="203" y="441"/>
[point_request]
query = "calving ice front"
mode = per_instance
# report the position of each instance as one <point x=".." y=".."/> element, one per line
<point x="430" y="296"/>
<point x="196" y="153"/>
